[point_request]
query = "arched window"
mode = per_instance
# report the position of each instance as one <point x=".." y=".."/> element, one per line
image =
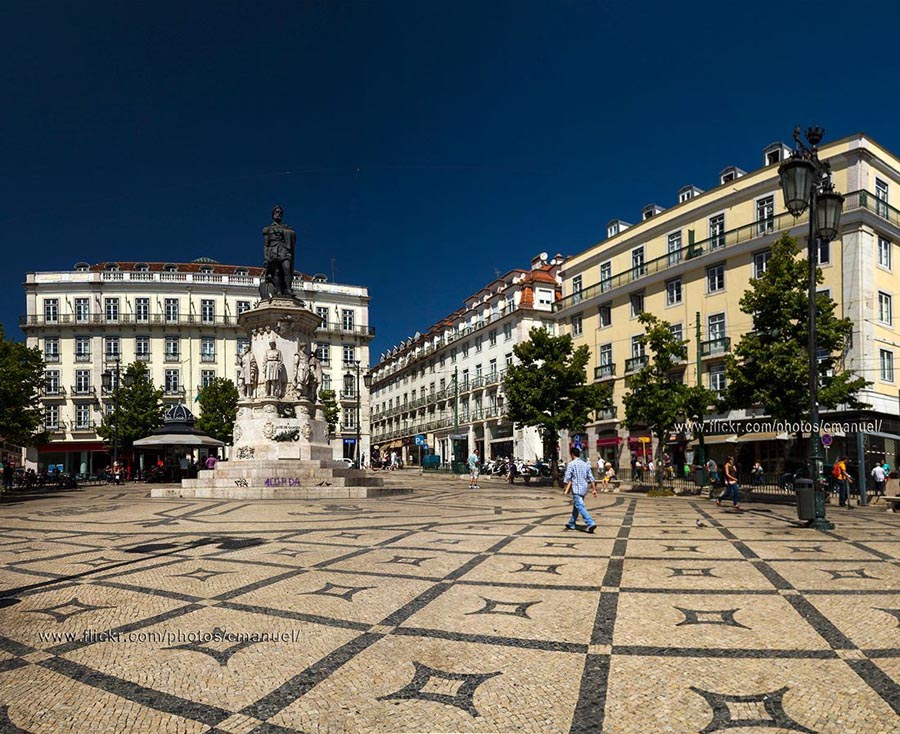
<point x="141" y="267"/>
<point x="111" y="267"/>
<point x="206" y="269"/>
<point x="240" y="271"/>
<point x="81" y="267"/>
<point x="170" y="268"/>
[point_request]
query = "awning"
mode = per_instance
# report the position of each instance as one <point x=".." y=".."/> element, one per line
<point x="750" y="437"/>
<point x="613" y="441"/>
<point x="73" y="446"/>
<point x="709" y="440"/>
<point x="177" y="439"/>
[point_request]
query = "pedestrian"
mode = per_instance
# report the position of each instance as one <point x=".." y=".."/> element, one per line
<point x="879" y="476"/>
<point x="394" y="460"/>
<point x="712" y="471"/>
<point x="757" y="473"/>
<point x="839" y="472"/>
<point x="609" y="475"/>
<point x="9" y="472"/>
<point x="473" y="469"/>
<point x="731" y="484"/>
<point x="211" y="461"/>
<point x="578" y="477"/>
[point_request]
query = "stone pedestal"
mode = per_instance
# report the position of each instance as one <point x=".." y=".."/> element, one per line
<point x="280" y="448"/>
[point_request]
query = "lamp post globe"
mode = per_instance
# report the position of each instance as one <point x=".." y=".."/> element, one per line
<point x="796" y="184"/>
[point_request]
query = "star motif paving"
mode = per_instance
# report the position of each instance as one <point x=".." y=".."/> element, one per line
<point x="515" y="626"/>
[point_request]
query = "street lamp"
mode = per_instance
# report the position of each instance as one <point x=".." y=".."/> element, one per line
<point x="806" y="182"/>
<point x="112" y="385"/>
<point x="367" y="379"/>
<point x="701" y="449"/>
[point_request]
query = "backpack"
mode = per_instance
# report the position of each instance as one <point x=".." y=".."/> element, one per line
<point x="836" y="470"/>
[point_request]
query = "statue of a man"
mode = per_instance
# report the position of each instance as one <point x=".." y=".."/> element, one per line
<point x="301" y="371"/>
<point x="248" y="373"/>
<point x="278" y="249"/>
<point x="314" y="379"/>
<point x="273" y="371"/>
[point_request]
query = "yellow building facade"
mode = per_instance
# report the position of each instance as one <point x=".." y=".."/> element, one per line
<point x="692" y="262"/>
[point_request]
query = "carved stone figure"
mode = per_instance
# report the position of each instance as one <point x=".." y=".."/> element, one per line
<point x="301" y="371"/>
<point x="248" y="373"/>
<point x="274" y="363"/>
<point x="278" y="250"/>
<point x="314" y="379"/>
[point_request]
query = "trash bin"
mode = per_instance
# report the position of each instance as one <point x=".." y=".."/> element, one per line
<point x="806" y="501"/>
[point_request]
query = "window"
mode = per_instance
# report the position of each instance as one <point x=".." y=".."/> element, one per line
<point x="169" y="268"/>
<point x="884" y="253"/>
<point x="478" y="342"/>
<point x="142" y="268"/>
<point x="544" y="296"/>
<point x="717" y="381"/>
<point x="323" y="352"/>
<point x="760" y="262"/>
<point x="142" y="309"/>
<point x="349" y="421"/>
<point x="326" y="382"/>
<point x="492" y="368"/>
<point x="717" y="231"/>
<point x="172" y="349"/>
<point x="111" y="309"/>
<point x="82" y="381"/>
<point x="673" y="247"/>
<point x="507" y="332"/>
<point x="82" y="309"/>
<point x="322" y="313"/>
<point x="207" y="311"/>
<point x="465" y="379"/>
<point x="673" y="292"/>
<point x="51" y="310"/>
<point x="716" y="326"/>
<point x="465" y="349"/>
<point x="605" y="276"/>
<point x="241" y="343"/>
<point x="605" y="312"/>
<point x="605" y="355"/>
<point x="576" y="289"/>
<point x="51" y="417"/>
<point x="577" y="325"/>
<point x="347" y="319"/>
<point x="509" y="359"/>
<point x="82" y="415"/>
<point x="492" y="338"/>
<point x="142" y="348"/>
<point x="510" y="303"/>
<point x="243" y="306"/>
<point x="111" y="347"/>
<point x="637" y="304"/>
<point x="348" y="354"/>
<point x="715" y="278"/>
<point x="207" y="349"/>
<point x="886" y="364"/>
<point x="51" y="382"/>
<point x="173" y="381"/>
<point x="51" y="349"/>
<point x="765" y="215"/>
<point x="885" y="310"/>
<point x="171" y="305"/>
<point x="881" y="196"/>
<point x="677" y="331"/>
<point x="823" y="252"/>
<point x="349" y="387"/>
<point x="637" y="262"/>
<point x="637" y="346"/>
<point x="82" y="349"/>
<point x="207" y="377"/>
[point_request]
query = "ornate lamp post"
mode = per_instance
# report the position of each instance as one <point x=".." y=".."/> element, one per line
<point x="806" y="183"/>
<point x="112" y="385"/>
<point x="367" y="379"/>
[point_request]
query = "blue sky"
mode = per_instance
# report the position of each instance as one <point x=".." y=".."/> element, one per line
<point x="418" y="147"/>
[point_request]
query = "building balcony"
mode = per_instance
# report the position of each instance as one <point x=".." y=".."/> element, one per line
<point x="58" y="427"/>
<point x="83" y="357"/>
<point x="173" y="357"/>
<point x="84" y="390"/>
<point x="57" y="392"/>
<point x="340" y="328"/>
<point x="88" y="427"/>
<point x="143" y="357"/>
<point x="51" y="358"/>
<point x="635" y="363"/>
<point x="112" y="358"/>
<point x="605" y="372"/>
<point x="715" y="347"/>
<point x="170" y="393"/>
<point x="349" y="395"/>
<point x="208" y="357"/>
<point x="608" y="415"/>
<point x="126" y="319"/>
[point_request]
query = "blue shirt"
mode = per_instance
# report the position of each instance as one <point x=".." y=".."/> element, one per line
<point x="579" y="473"/>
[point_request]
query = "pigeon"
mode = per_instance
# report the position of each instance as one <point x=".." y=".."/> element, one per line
<point x="700" y="524"/>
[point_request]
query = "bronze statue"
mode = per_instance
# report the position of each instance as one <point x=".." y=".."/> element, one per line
<point x="278" y="249"/>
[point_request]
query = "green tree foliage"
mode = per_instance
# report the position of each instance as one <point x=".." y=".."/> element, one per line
<point x="22" y="370"/>
<point x="654" y="400"/>
<point x="547" y="388"/>
<point x="140" y="408"/>
<point x="332" y="411"/>
<point x="218" y="409"/>
<point x="770" y="365"/>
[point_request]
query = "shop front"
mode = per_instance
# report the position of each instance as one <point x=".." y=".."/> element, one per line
<point x="75" y="457"/>
<point x="608" y="449"/>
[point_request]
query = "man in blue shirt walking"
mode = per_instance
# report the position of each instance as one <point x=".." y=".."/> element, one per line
<point x="578" y="477"/>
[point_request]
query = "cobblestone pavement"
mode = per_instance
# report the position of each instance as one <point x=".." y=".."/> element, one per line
<point x="447" y="610"/>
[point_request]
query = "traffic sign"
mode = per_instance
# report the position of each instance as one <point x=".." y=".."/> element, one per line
<point x="420" y="440"/>
<point x="827" y="438"/>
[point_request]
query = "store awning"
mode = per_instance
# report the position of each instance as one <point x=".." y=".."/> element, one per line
<point x="710" y="440"/>
<point x="750" y="437"/>
<point x="611" y="441"/>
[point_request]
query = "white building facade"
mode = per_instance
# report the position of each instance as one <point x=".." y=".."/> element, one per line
<point x="181" y="320"/>
<point x="446" y="385"/>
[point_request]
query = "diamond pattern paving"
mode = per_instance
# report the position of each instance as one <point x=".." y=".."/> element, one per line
<point x="446" y="610"/>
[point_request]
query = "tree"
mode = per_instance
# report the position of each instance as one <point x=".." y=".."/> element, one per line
<point x="332" y="411"/>
<point x="769" y="367"/>
<point x="140" y="408"/>
<point x="21" y="417"/>
<point x="654" y="400"/>
<point x="218" y="409"/>
<point x="546" y="388"/>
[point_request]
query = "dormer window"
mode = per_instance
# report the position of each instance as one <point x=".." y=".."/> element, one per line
<point x="686" y="193"/>
<point x="206" y="269"/>
<point x="111" y="267"/>
<point x="81" y="267"/>
<point x="730" y="174"/>
<point x="240" y="271"/>
<point x="170" y="268"/>
<point x="142" y="268"/>
<point x="616" y="226"/>
<point x="775" y="153"/>
<point x="651" y="210"/>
